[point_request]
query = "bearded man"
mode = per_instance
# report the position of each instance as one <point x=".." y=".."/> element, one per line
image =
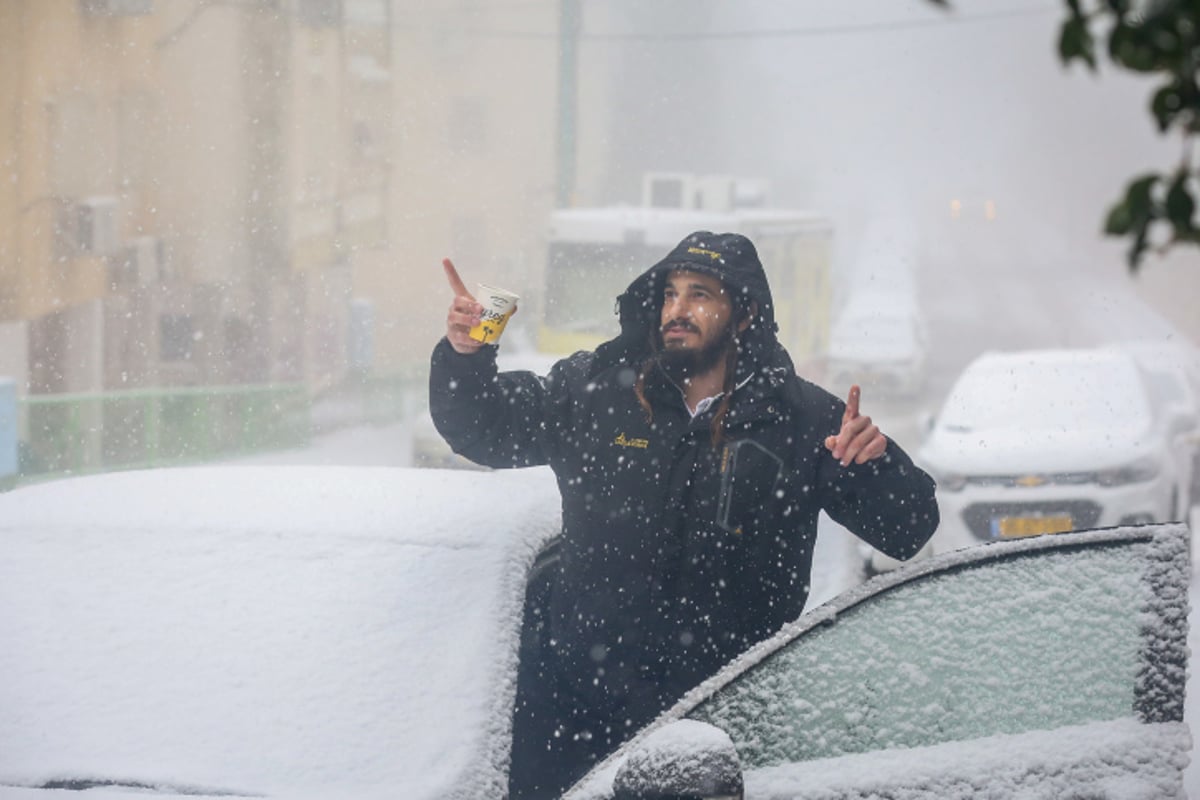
<point x="692" y="462"/>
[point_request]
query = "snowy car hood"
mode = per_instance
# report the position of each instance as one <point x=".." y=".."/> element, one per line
<point x="1006" y="451"/>
<point x="280" y="631"/>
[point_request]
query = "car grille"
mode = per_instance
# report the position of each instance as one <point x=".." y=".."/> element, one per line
<point x="979" y="516"/>
<point x="1054" y="479"/>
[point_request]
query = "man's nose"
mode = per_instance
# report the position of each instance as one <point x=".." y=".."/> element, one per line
<point x="677" y="308"/>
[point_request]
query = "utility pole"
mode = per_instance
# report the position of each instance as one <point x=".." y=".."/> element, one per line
<point x="568" y="84"/>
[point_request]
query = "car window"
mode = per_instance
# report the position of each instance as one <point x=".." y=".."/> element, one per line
<point x="1031" y="642"/>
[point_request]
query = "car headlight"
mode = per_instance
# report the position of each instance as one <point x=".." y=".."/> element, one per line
<point x="1140" y="471"/>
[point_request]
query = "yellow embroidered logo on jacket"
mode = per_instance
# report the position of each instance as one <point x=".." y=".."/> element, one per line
<point x="700" y="251"/>
<point x="624" y="442"/>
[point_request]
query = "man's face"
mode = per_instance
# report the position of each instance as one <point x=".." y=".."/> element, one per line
<point x="696" y="324"/>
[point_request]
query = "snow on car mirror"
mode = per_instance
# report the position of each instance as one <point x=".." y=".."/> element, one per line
<point x="683" y="759"/>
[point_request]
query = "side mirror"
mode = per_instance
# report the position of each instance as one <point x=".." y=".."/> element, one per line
<point x="1184" y="423"/>
<point x="684" y="759"/>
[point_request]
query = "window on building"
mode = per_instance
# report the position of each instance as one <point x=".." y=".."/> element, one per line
<point x="319" y="13"/>
<point x="373" y="13"/>
<point x="137" y="123"/>
<point x="176" y="333"/>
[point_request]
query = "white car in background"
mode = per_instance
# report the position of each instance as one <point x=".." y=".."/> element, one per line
<point x="880" y="343"/>
<point x="1045" y="441"/>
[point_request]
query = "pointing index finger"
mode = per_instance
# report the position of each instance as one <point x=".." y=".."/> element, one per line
<point x="852" y="403"/>
<point x="456" y="284"/>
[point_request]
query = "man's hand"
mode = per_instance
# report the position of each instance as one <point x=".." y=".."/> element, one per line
<point x="464" y="313"/>
<point x="859" y="440"/>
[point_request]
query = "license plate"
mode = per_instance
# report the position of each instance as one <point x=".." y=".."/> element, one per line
<point x="1016" y="527"/>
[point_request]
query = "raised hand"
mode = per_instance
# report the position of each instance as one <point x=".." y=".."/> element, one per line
<point x="859" y="440"/>
<point x="464" y="313"/>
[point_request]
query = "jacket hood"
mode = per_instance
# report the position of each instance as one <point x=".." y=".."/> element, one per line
<point x="731" y="258"/>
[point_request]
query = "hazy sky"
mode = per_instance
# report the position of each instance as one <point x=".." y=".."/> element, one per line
<point x="891" y="104"/>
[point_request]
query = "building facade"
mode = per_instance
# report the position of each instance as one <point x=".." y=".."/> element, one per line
<point x="198" y="193"/>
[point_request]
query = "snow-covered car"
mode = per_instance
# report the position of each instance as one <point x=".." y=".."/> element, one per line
<point x="328" y="632"/>
<point x="279" y="632"/>
<point x="1051" y="666"/>
<point x="879" y="342"/>
<point x="1044" y="441"/>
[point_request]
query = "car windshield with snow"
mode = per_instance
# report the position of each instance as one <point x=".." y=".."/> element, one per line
<point x="1046" y="667"/>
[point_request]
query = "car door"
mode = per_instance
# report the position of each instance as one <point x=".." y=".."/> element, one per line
<point x="1053" y="666"/>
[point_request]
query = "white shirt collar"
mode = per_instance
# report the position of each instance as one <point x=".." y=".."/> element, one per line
<point x="707" y="403"/>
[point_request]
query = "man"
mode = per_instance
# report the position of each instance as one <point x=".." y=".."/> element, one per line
<point x="692" y="463"/>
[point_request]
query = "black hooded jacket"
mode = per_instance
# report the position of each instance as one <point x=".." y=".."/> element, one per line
<point x="677" y="554"/>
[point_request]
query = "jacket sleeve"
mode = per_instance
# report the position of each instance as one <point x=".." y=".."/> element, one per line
<point x="888" y="502"/>
<point x="497" y="419"/>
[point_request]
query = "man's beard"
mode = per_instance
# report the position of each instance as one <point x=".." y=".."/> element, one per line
<point x="680" y="363"/>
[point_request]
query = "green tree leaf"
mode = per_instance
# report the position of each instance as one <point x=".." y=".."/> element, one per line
<point x="1140" y="198"/>
<point x="1181" y="207"/>
<point x="1138" y="250"/>
<point x="1119" y="221"/>
<point x="1134" y="215"/>
<point x="1166" y="106"/>
<point x="1135" y="48"/>
<point x="1159" y="38"/>
<point x="1076" y="42"/>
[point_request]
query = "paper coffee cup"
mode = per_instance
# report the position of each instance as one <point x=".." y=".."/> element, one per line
<point x="498" y="306"/>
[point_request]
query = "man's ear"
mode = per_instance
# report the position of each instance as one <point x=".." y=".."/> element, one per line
<point x="748" y="316"/>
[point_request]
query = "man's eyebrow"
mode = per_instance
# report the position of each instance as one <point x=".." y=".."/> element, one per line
<point x="693" y="285"/>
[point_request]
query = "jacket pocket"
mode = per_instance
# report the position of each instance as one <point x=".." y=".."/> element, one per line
<point x="750" y="477"/>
